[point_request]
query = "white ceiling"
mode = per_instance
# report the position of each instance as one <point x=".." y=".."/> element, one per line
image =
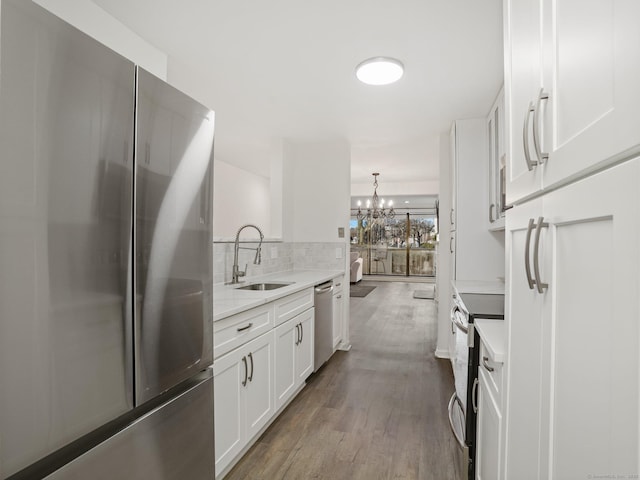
<point x="284" y="69"/>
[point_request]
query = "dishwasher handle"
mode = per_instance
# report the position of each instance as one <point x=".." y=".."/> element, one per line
<point x="324" y="288"/>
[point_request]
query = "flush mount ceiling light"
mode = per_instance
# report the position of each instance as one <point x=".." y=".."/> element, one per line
<point x="380" y="71"/>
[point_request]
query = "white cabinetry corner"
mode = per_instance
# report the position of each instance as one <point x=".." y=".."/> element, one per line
<point x="262" y="358"/>
<point x="573" y="366"/>
<point x="571" y="77"/>
<point x="243" y="396"/>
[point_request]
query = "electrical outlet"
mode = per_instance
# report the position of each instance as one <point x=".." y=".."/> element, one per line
<point x="274" y="252"/>
<point x="338" y="252"/>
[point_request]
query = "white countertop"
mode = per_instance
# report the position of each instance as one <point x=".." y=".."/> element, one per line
<point x="229" y="300"/>
<point x="478" y="286"/>
<point x="493" y="335"/>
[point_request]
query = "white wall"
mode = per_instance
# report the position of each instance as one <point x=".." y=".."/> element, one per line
<point x="95" y="22"/>
<point x="427" y="187"/>
<point x="317" y="190"/>
<point x="239" y="197"/>
<point x="443" y="276"/>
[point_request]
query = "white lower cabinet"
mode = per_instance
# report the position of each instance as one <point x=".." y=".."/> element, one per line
<point x="573" y="367"/>
<point x="489" y="425"/>
<point x="243" y="396"/>
<point x="294" y="342"/>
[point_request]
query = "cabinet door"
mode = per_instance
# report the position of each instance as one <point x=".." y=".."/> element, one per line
<point x="258" y="394"/>
<point x="592" y="78"/>
<point x="488" y="433"/>
<point x="304" y="350"/>
<point x="524" y="308"/>
<point x="453" y="177"/>
<point x="338" y="305"/>
<point x="573" y="363"/>
<point x="495" y="143"/>
<point x="228" y="374"/>
<point x="523" y="80"/>
<point x="286" y="336"/>
<point x="592" y="368"/>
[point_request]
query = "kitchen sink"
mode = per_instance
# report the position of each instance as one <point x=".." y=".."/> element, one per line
<point x="264" y="286"/>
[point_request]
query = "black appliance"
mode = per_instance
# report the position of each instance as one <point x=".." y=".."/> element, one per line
<point x="462" y="413"/>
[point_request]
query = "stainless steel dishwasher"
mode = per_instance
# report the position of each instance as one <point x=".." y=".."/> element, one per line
<point x="323" y="302"/>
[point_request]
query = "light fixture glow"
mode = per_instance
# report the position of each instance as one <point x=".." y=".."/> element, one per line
<point x="380" y="71"/>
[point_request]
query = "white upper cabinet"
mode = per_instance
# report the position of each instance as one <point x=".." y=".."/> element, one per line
<point x="523" y="80"/>
<point x="571" y="75"/>
<point x="496" y="145"/>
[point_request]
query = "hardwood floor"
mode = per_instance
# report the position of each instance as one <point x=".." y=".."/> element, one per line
<point x="378" y="411"/>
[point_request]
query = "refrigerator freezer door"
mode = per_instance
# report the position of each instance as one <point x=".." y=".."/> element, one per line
<point x="173" y="237"/>
<point x="172" y="442"/>
<point x="66" y="139"/>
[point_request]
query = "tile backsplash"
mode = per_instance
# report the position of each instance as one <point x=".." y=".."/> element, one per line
<point x="277" y="257"/>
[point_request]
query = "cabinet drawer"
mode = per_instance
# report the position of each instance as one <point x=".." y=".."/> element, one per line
<point x="494" y="378"/>
<point x="292" y="305"/>
<point x="233" y="331"/>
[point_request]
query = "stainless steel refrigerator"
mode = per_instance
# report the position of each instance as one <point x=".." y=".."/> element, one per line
<point x="105" y="262"/>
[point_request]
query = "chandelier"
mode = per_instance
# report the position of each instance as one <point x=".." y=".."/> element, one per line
<point x="375" y="209"/>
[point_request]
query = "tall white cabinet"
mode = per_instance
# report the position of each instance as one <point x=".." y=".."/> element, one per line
<point x="470" y="205"/>
<point x="572" y="405"/>
<point x="573" y="363"/>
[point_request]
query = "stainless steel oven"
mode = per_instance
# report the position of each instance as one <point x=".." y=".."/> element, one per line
<point x="462" y="405"/>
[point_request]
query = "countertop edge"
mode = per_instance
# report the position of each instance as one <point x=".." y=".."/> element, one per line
<point x="478" y="286"/>
<point x="492" y="332"/>
<point x="228" y="300"/>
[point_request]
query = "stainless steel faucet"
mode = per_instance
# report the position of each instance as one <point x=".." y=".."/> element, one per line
<point x="236" y="274"/>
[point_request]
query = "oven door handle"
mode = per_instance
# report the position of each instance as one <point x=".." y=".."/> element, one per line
<point x="452" y="402"/>
<point x="456" y="320"/>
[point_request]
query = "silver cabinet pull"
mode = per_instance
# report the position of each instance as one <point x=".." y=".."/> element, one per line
<point x="527" y="245"/>
<point x="451" y="244"/>
<point x="491" y="207"/>
<point x="485" y="364"/>
<point x="542" y="157"/>
<point x="536" y="263"/>
<point x="301" y="333"/>
<point x="251" y="374"/>
<point x="246" y="371"/>
<point x="338" y="284"/>
<point x="242" y="329"/>
<point x="297" y="334"/>
<point x="474" y="395"/>
<point x="451" y="216"/>
<point x="525" y="138"/>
